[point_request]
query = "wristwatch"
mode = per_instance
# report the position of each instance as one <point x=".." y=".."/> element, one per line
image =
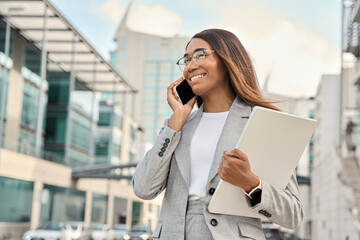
<point x="255" y="192"/>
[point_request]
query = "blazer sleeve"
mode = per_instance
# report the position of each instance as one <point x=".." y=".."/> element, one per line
<point x="150" y="177"/>
<point x="282" y="207"/>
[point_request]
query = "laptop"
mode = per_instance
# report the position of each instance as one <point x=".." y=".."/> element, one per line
<point x="274" y="143"/>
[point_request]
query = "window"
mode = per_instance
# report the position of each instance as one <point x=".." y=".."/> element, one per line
<point x="16" y="200"/>
<point x="80" y="136"/>
<point x="99" y="208"/>
<point x="102" y="148"/>
<point x="59" y="83"/>
<point x="64" y="204"/>
<point x="104" y="119"/>
<point x="56" y="127"/>
<point x="30" y="106"/>
<point x="32" y="58"/>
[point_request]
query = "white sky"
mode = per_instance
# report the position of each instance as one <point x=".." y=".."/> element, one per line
<point x="296" y="40"/>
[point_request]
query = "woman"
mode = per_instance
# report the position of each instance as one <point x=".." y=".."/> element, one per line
<point x="194" y="150"/>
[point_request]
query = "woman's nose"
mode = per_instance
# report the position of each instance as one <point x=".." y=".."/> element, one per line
<point x="192" y="65"/>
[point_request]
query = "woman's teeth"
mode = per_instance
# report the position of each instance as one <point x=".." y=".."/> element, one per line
<point x="197" y="76"/>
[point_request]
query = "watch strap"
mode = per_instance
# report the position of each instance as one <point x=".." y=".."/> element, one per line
<point x="253" y="190"/>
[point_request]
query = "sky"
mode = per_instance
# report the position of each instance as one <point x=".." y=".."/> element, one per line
<point x="291" y="42"/>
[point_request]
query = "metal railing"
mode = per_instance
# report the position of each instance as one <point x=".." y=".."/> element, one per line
<point x="26" y="147"/>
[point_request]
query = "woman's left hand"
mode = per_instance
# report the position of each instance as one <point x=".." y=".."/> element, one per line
<point x="235" y="169"/>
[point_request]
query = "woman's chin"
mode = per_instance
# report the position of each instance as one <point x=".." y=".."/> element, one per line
<point x="196" y="90"/>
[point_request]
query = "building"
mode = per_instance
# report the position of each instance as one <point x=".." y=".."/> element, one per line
<point x="331" y="198"/>
<point x="60" y="115"/>
<point x="149" y="62"/>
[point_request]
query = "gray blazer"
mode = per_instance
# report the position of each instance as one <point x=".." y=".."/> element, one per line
<point x="166" y="166"/>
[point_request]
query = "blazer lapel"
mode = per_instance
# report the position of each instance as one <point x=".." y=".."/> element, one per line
<point x="234" y="125"/>
<point x="182" y="152"/>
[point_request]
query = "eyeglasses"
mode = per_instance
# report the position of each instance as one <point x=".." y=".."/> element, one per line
<point x="198" y="57"/>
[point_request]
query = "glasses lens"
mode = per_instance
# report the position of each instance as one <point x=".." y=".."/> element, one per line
<point x="181" y="64"/>
<point x="199" y="57"/>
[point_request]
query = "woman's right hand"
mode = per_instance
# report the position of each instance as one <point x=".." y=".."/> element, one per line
<point x="180" y="112"/>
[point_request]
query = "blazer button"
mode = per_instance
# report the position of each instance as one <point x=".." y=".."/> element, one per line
<point x="161" y="154"/>
<point x="165" y="145"/>
<point x="163" y="149"/>
<point x="214" y="222"/>
<point x="167" y="140"/>
<point x="211" y="191"/>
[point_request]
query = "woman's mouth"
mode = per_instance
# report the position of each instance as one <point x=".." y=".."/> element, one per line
<point x="198" y="76"/>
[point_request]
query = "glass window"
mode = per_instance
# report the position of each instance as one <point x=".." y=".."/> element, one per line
<point x="27" y="143"/>
<point x="6" y="90"/>
<point x="102" y="148"/>
<point x="104" y="119"/>
<point x="32" y="58"/>
<point x="3" y="38"/>
<point x="64" y="204"/>
<point x="30" y="106"/>
<point x="16" y="200"/>
<point x="56" y="127"/>
<point x="99" y="208"/>
<point x="136" y="211"/>
<point x="59" y="83"/>
<point x="107" y="97"/>
<point x="80" y="136"/>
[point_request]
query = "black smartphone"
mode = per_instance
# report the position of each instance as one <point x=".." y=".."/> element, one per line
<point x="183" y="92"/>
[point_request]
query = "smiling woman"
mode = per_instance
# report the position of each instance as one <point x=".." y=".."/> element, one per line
<point x="195" y="149"/>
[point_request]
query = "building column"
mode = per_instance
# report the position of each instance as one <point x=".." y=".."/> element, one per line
<point x="36" y="204"/>
<point x="129" y="212"/>
<point x="110" y="210"/>
<point x="15" y="95"/>
<point x="41" y="101"/>
<point x="88" y="208"/>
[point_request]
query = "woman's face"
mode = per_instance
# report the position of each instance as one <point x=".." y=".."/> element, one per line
<point x="210" y="76"/>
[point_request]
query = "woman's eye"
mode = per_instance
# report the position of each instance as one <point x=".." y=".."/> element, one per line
<point x="201" y="55"/>
<point x="186" y="61"/>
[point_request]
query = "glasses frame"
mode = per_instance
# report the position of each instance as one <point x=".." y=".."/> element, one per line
<point x="183" y="66"/>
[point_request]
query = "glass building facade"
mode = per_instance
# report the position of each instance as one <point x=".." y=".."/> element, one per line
<point x="99" y="208"/>
<point x="33" y="90"/>
<point x="16" y="200"/>
<point x="83" y="119"/>
<point x="63" y="204"/>
<point x="71" y="118"/>
<point x="109" y="134"/>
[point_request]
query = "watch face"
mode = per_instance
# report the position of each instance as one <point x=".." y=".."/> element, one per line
<point x="256" y="193"/>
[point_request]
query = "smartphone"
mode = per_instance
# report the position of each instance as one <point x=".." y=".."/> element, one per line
<point x="183" y="92"/>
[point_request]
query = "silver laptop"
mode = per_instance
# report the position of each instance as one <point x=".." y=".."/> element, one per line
<point x="274" y="142"/>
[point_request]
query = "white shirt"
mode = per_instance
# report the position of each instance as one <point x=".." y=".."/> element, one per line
<point x="202" y="150"/>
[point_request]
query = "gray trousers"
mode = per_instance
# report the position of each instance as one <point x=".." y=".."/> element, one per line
<point x="196" y="228"/>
